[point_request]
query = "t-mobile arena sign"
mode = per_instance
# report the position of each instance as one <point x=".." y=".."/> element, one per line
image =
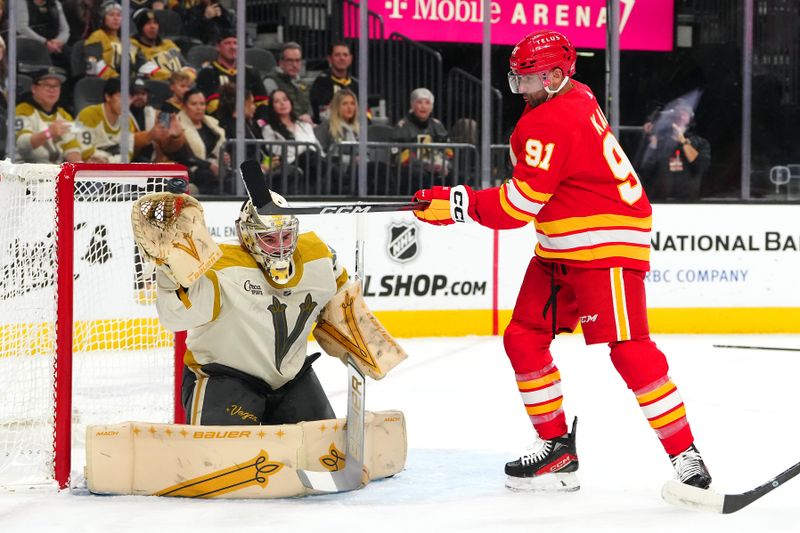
<point x="644" y="24"/>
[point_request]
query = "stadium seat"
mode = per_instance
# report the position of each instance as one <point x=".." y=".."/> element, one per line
<point x="77" y="61"/>
<point x="159" y="91"/>
<point x="200" y="54"/>
<point x="24" y="83"/>
<point x="260" y="59"/>
<point x="32" y="51"/>
<point x="169" y="22"/>
<point x="88" y="91"/>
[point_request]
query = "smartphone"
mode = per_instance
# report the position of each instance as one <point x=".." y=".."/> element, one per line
<point x="164" y="118"/>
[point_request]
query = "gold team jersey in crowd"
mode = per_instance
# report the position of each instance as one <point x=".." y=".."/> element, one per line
<point x="237" y="317"/>
<point x="162" y="59"/>
<point x="97" y="136"/>
<point x="32" y="119"/>
<point x="111" y="53"/>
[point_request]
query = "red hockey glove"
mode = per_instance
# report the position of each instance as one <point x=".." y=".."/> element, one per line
<point x="447" y="205"/>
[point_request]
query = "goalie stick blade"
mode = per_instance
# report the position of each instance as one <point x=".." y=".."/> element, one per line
<point x="684" y="495"/>
<point x="256" y="184"/>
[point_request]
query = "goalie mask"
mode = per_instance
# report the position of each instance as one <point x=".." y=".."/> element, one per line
<point x="270" y="239"/>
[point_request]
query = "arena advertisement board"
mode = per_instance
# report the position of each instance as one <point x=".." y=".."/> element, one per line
<point x="644" y="24"/>
<point x="736" y="259"/>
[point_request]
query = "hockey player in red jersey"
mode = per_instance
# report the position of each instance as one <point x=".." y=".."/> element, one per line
<point x="574" y="182"/>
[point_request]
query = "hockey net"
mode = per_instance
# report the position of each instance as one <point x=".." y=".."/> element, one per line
<point x="80" y="341"/>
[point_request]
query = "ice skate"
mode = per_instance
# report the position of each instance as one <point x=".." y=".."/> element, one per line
<point x="550" y="466"/>
<point x="690" y="469"/>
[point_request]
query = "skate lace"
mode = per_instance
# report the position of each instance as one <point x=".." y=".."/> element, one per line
<point x="688" y="464"/>
<point x="537" y="452"/>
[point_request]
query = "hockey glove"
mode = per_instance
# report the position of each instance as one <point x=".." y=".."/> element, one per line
<point x="171" y="232"/>
<point x="447" y="205"/>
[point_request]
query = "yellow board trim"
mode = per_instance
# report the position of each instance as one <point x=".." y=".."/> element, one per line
<point x="119" y="334"/>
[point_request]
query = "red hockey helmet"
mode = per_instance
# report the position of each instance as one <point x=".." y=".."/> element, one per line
<point x="543" y="51"/>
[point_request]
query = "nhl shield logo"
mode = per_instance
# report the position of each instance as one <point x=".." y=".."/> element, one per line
<point x="403" y="245"/>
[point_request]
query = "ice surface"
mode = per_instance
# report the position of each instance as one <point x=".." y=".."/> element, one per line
<point x="465" y="420"/>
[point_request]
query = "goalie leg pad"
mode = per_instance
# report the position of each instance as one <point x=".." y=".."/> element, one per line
<point x="233" y="461"/>
<point x="346" y="327"/>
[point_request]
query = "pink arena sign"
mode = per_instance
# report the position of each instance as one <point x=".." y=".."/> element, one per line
<point x="644" y="24"/>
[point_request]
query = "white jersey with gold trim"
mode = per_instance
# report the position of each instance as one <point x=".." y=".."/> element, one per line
<point x="98" y="137"/>
<point x="237" y="317"/>
<point x="31" y="120"/>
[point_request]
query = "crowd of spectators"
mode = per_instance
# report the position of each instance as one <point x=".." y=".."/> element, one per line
<point x="185" y="112"/>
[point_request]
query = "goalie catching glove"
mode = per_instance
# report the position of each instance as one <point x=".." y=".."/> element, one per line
<point x="448" y="205"/>
<point x="171" y="232"/>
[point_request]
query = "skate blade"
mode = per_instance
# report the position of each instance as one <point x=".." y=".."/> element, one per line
<point x="563" y="482"/>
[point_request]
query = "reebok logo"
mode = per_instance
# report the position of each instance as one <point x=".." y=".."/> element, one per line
<point x="588" y="318"/>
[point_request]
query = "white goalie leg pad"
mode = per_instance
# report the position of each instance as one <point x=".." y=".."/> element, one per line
<point x="346" y="326"/>
<point x="233" y="461"/>
<point x="560" y="482"/>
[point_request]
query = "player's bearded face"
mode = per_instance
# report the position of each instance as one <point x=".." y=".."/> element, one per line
<point x="530" y="86"/>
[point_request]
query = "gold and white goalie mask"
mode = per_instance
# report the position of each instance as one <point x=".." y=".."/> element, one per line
<point x="270" y="239"/>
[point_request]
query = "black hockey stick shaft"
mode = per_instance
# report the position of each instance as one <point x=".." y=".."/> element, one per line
<point x="256" y="184"/>
<point x="734" y="502"/>
<point x="742" y="347"/>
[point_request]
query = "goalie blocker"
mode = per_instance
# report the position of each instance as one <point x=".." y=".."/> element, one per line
<point x="233" y="461"/>
<point x="346" y="327"/>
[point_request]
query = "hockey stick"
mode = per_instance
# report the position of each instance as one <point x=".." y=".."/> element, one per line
<point x="757" y="347"/>
<point x="353" y="475"/>
<point x="683" y="495"/>
<point x="254" y="180"/>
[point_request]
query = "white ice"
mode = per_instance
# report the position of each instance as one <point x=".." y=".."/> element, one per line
<point x="465" y="420"/>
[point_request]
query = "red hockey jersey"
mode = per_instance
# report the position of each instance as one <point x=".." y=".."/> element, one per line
<point x="573" y="180"/>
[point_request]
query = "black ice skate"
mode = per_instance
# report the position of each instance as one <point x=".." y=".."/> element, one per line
<point x="549" y="466"/>
<point x="690" y="469"/>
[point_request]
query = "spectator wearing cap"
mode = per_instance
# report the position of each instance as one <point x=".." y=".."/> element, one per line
<point x="44" y="21"/>
<point x="99" y="130"/>
<point x="332" y="80"/>
<point x="206" y="20"/>
<point x="223" y="70"/>
<point x="162" y="56"/>
<point x="43" y="129"/>
<point x="286" y="77"/>
<point x="419" y="126"/>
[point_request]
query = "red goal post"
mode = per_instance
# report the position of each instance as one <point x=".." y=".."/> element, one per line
<point x="80" y="341"/>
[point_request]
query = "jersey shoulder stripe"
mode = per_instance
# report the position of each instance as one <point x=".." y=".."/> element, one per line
<point x="92" y="115"/>
<point x="310" y="247"/>
<point x="234" y="255"/>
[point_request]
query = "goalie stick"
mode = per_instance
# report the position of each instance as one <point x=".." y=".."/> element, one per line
<point x="683" y="495"/>
<point x="353" y="475"/>
<point x="253" y="178"/>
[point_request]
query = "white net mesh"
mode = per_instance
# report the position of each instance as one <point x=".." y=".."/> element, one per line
<point x="122" y="358"/>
